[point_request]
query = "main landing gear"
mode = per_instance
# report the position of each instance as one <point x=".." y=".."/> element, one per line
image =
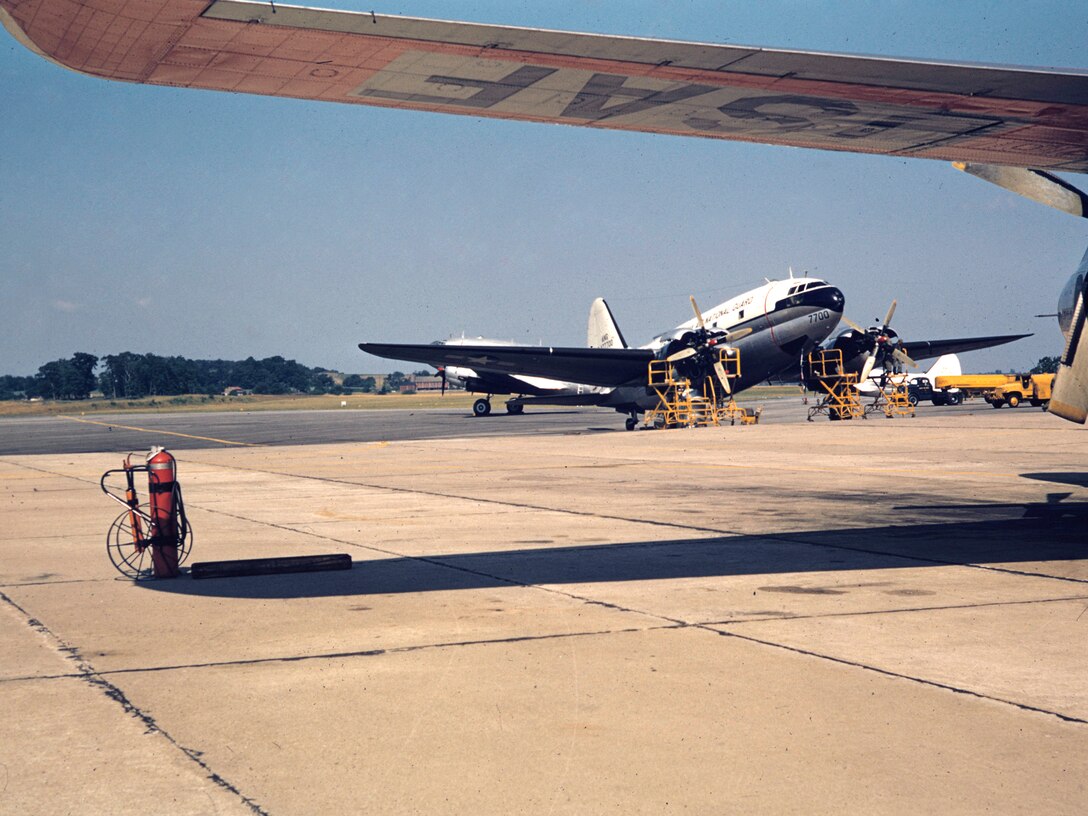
<point x="632" y="422"/>
<point x="482" y="407"/>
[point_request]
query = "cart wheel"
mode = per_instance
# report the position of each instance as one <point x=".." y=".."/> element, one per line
<point x="134" y="561"/>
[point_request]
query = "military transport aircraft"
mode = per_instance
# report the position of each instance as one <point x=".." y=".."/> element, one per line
<point x="1006" y="125"/>
<point x="773" y="327"/>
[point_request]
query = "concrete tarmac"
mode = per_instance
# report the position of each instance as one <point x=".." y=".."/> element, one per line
<point x="91" y="432"/>
<point x="885" y="616"/>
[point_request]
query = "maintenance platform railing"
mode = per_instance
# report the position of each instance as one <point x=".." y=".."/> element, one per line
<point x="837" y="388"/>
<point x="682" y="404"/>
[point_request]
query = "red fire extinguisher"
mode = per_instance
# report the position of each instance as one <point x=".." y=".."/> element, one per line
<point x="158" y="529"/>
<point x="161" y="477"/>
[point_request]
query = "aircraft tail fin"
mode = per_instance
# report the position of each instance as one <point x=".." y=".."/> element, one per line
<point x="947" y="365"/>
<point x="603" y="332"/>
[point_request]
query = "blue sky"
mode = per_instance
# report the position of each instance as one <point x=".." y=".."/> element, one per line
<point x="218" y="225"/>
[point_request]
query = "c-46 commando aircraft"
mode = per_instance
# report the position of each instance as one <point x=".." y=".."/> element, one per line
<point x="1007" y="125"/>
<point x="773" y="327"/>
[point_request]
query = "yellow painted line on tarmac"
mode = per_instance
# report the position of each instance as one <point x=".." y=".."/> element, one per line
<point x="159" y="431"/>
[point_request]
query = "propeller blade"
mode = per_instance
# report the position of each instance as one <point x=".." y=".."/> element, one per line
<point x="888" y="317"/>
<point x="867" y="369"/>
<point x="698" y="314"/>
<point x="442" y="374"/>
<point x="719" y="369"/>
<point x="902" y="357"/>
<point x="730" y="336"/>
<point x="852" y="324"/>
<point x="683" y="354"/>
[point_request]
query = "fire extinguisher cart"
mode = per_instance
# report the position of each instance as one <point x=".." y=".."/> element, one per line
<point x="150" y="538"/>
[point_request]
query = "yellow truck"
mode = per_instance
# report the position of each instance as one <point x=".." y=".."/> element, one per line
<point x="1002" y="389"/>
<point x="1035" y="388"/>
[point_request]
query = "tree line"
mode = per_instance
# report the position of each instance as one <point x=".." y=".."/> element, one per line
<point x="129" y="375"/>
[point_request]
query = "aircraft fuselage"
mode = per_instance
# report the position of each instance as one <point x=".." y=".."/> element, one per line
<point x="788" y="319"/>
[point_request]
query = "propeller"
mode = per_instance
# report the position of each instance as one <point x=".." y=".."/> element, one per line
<point x="442" y="374"/>
<point x="883" y="344"/>
<point x="697" y="345"/>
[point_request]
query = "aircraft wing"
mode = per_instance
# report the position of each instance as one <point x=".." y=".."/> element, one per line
<point x="607" y="367"/>
<point x="994" y="115"/>
<point x="927" y="349"/>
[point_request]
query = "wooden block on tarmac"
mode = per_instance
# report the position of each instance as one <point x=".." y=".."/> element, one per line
<point x="270" y="566"/>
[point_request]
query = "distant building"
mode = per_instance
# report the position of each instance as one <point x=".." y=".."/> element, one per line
<point x="427" y="383"/>
<point x="236" y="391"/>
<point x="417" y="383"/>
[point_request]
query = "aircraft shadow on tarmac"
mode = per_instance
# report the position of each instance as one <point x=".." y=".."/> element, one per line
<point x="1076" y="478"/>
<point x="1052" y="531"/>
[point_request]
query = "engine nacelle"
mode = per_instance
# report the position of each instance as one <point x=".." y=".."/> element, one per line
<point x="1069" y="395"/>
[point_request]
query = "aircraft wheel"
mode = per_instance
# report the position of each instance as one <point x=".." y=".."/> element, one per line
<point x="515" y="408"/>
<point x="631" y="423"/>
<point x="482" y="407"/>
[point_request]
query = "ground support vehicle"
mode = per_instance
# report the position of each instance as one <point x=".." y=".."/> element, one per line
<point x="920" y="388"/>
<point x="1035" y="388"/>
<point x="1002" y="389"/>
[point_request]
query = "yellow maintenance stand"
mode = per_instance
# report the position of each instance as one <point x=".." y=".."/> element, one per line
<point x="897" y="397"/>
<point x="745" y="416"/>
<point x="837" y="388"/>
<point x="681" y="405"/>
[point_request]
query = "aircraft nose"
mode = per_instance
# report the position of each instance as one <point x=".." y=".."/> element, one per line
<point x="827" y="297"/>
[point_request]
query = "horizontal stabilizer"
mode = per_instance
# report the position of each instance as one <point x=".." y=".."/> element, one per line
<point x="569" y="399"/>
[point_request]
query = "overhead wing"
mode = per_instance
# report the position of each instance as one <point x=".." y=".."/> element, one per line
<point x="607" y="367"/>
<point x="1021" y="117"/>
<point x="926" y="349"/>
